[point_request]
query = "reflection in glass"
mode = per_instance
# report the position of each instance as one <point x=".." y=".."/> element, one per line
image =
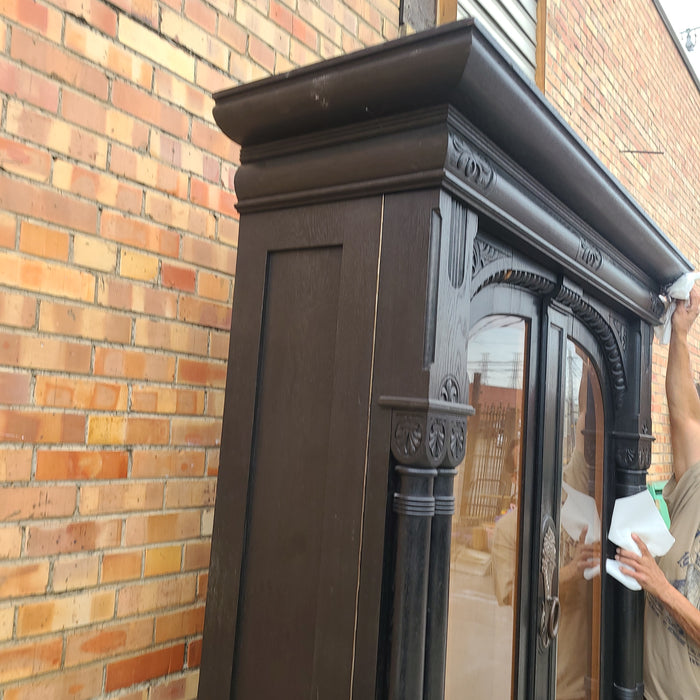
<point x="579" y="548"/>
<point x="483" y="572"/>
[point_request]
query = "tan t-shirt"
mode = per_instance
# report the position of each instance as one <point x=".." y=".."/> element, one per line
<point x="671" y="660"/>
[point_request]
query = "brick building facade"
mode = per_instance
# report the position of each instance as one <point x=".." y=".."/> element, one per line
<point x="118" y="234"/>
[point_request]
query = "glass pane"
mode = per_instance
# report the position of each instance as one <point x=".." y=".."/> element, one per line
<point x="579" y="549"/>
<point x="485" y="527"/>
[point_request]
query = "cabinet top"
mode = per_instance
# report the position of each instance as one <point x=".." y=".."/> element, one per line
<point x="460" y="66"/>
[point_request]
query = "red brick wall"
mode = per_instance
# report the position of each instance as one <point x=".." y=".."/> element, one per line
<point x="616" y="76"/>
<point x="118" y="235"/>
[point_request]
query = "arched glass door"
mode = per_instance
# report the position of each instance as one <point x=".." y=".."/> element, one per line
<point x="525" y="587"/>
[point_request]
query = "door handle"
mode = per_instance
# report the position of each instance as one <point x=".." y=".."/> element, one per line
<point x="550" y="609"/>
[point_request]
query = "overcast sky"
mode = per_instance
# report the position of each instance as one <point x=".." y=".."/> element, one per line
<point x="685" y="14"/>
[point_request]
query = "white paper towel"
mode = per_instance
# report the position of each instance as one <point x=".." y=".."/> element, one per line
<point x="637" y="514"/>
<point x="580" y="511"/>
<point x="679" y="290"/>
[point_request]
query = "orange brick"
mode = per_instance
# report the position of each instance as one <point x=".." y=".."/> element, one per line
<point x="218" y="344"/>
<point x="45" y="277"/>
<point x="190" y="494"/>
<point x="23" y="580"/>
<point x="111" y="640"/>
<point x="147" y="171"/>
<point x="31" y="14"/>
<point x="206" y="253"/>
<point x="15" y="464"/>
<point x="74" y="573"/>
<point x="127" y="295"/>
<point x="101" y="51"/>
<point x="155" y="463"/>
<point x="194" y="653"/>
<point x="94" y="253"/>
<point x="170" y="527"/>
<point x="163" y="560"/>
<point x="179" y="214"/>
<point x="39" y="91"/>
<point x="7" y="622"/>
<point x="62" y="392"/>
<point x="64" y="613"/>
<point x="213" y="457"/>
<point x="202" y="583"/>
<point x="180" y="624"/>
<point x="122" y="566"/>
<point x="139" y="234"/>
<point x="118" y="430"/>
<point x="141" y="104"/>
<point x="139" y="266"/>
<point x="43" y="427"/>
<point x="8" y="229"/>
<point x="214" y="286"/>
<point x="120" y="497"/>
<point x="15" y="387"/>
<point x="44" y="353"/>
<point x="197" y="555"/>
<point x="176" y="337"/>
<point x="176" y="277"/>
<point x="134" y="364"/>
<point x="162" y="593"/>
<point x="84" y="536"/>
<point x="182" y="94"/>
<point x="207" y="373"/>
<point x="49" y="59"/>
<point x="55" y="134"/>
<point x="181" y="688"/>
<point x="81" y="684"/>
<point x="195" y="431"/>
<point x="154" y="399"/>
<point x="43" y="241"/>
<point x="176" y="26"/>
<point x="228" y="231"/>
<point x="205" y="135"/>
<point x="96" y="14"/>
<point x="96" y="185"/>
<point x="24" y="160"/>
<point x="233" y="34"/>
<point x="10" y="542"/>
<point x="56" y="465"/>
<point x="215" y="403"/>
<point x="123" y="674"/>
<point x="84" y="322"/>
<point x="38" y="502"/>
<point x="17" y="310"/>
<point x="27" y="660"/>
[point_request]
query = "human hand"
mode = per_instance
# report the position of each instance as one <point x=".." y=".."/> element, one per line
<point x="686" y="312"/>
<point x="642" y="568"/>
<point x="585" y="557"/>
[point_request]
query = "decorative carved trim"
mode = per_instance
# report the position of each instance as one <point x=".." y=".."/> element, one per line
<point x="603" y="332"/>
<point x="581" y="309"/>
<point x="471" y="165"/>
<point x="428" y="439"/>
<point x="457" y="249"/>
<point x="484" y="254"/>
<point x="520" y="278"/>
<point x="633" y="450"/>
<point x="621" y="331"/>
<point x="589" y="255"/>
<point x="449" y="389"/>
